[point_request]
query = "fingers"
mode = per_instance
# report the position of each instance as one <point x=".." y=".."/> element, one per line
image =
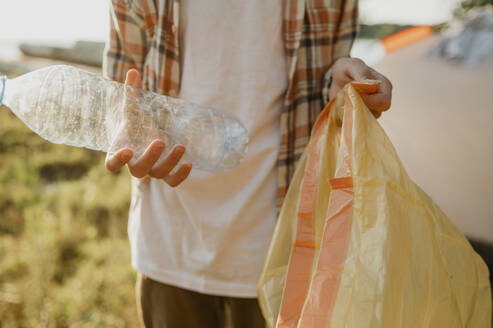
<point x="144" y="163"/>
<point x="175" y="179"/>
<point x="356" y="69"/>
<point x="147" y="164"/>
<point x="164" y="167"/>
<point x="376" y="114"/>
<point x="346" y="70"/>
<point x="114" y="162"/>
<point x="381" y="100"/>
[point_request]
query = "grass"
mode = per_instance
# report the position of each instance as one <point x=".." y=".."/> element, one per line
<point x="64" y="252"/>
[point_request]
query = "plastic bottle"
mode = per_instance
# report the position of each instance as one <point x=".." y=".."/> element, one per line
<point x="70" y="106"/>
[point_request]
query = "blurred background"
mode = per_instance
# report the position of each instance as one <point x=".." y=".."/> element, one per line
<point x="64" y="254"/>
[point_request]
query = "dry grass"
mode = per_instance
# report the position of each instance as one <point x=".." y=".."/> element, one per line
<point x="64" y="253"/>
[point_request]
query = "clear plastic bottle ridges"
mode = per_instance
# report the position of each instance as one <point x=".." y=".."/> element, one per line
<point x="70" y="106"/>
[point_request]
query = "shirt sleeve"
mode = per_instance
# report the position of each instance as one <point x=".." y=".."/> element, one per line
<point x="127" y="45"/>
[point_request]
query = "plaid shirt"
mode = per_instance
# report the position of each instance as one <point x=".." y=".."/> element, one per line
<point x="144" y="35"/>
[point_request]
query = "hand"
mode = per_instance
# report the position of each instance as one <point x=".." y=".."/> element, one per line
<point x="346" y="70"/>
<point x="148" y="164"/>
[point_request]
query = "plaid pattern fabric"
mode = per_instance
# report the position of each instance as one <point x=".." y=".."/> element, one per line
<point x="144" y="35"/>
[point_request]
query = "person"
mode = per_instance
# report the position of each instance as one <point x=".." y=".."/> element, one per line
<point x="199" y="248"/>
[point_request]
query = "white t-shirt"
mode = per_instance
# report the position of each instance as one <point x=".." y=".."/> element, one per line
<point x="211" y="233"/>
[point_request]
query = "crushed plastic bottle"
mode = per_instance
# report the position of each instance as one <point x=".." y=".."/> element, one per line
<point x="70" y="106"/>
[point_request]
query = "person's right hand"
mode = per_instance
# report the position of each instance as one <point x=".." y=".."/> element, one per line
<point x="147" y="165"/>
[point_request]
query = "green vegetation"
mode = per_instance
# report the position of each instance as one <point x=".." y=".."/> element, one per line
<point x="64" y="253"/>
<point x="379" y="31"/>
<point x="467" y="5"/>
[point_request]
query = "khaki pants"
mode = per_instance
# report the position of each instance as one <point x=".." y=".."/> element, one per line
<point x="164" y="306"/>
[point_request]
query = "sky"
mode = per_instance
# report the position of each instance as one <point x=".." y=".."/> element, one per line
<point x="88" y="19"/>
<point x="412" y="12"/>
<point x="54" y="19"/>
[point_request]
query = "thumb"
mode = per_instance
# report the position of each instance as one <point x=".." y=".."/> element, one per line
<point x="359" y="71"/>
<point x="134" y="79"/>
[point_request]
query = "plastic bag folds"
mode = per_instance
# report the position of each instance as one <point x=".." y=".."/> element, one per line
<point x="359" y="244"/>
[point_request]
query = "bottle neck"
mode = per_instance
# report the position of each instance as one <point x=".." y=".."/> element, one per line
<point x="3" y="81"/>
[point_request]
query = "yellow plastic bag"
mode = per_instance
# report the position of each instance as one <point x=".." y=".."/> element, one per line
<point x="358" y="244"/>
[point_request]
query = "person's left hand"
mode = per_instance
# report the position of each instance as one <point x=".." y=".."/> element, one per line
<point x="346" y="70"/>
